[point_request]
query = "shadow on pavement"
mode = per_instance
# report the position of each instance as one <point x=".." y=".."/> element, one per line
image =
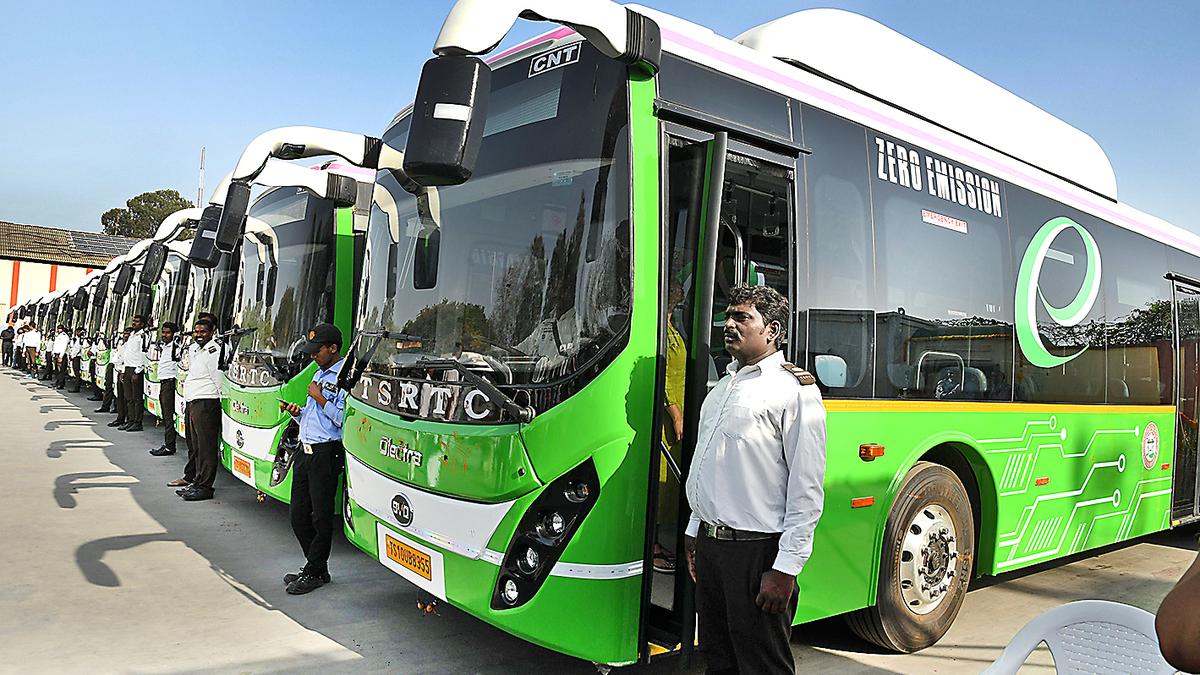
<point x="90" y="556"/>
<point x="57" y="448"/>
<point x="55" y="425"/>
<point x="66" y="485"/>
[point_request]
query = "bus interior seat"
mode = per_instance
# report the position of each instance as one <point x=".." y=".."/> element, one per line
<point x="974" y="381"/>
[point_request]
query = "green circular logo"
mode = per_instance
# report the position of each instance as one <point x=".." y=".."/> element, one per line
<point x="1029" y="295"/>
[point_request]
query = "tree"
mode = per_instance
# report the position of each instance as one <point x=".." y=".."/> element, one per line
<point x="143" y="214"/>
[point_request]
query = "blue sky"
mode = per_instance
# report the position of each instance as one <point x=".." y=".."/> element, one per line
<point x="102" y="101"/>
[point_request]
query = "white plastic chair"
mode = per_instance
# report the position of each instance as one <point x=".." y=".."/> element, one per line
<point x="1088" y="636"/>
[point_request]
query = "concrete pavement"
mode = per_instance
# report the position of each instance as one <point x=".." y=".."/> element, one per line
<point x="109" y="571"/>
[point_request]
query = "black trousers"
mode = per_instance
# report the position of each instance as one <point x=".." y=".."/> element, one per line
<point x="109" y="386"/>
<point x="314" y="491"/>
<point x="166" y="408"/>
<point x="737" y="636"/>
<point x="203" y="433"/>
<point x="48" y="368"/>
<point x="135" y="397"/>
<point x="8" y="353"/>
<point x="60" y="371"/>
<point x="121" y="407"/>
<point x="18" y="361"/>
<point x="76" y="374"/>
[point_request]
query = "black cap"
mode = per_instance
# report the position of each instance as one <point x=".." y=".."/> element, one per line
<point x="321" y="335"/>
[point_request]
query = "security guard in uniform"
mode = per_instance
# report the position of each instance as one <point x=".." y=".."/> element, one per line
<point x="74" y="354"/>
<point x="116" y="394"/>
<point x="202" y="391"/>
<point x="169" y="354"/>
<point x="58" y="356"/>
<point x="756" y="489"/>
<point x="316" y="469"/>
<point x="135" y="379"/>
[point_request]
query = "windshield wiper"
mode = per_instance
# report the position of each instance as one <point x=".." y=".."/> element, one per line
<point x="359" y="365"/>
<point x="267" y="359"/>
<point x="521" y="413"/>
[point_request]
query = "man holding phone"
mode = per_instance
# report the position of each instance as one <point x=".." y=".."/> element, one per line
<point x="316" y="468"/>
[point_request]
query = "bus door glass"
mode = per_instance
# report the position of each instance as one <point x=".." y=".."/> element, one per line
<point x="748" y="196"/>
<point x="1187" y="401"/>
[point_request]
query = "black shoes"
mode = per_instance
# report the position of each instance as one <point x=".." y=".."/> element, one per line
<point x="162" y="451"/>
<point x="117" y="423"/>
<point x="289" y="578"/>
<point x="305" y="583"/>
<point x="132" y="427"/>
<point x="94" y="397"/>
<point x="196" y="494"/>
<point x="101" y="410"/>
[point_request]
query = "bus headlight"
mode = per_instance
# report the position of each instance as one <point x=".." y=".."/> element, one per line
<point x="553" y="525"/>
<point x="543" y="533"/>
<point x="510" y="593"/>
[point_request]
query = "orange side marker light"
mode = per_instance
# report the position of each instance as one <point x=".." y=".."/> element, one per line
<point x="860" y="502"/>
<point x="867" y="452"/>
<point x="1041" y="481"/>
<point x="1167" y="465"/>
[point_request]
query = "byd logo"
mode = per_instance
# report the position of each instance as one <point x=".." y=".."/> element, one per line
<point x="1029" y="295"/>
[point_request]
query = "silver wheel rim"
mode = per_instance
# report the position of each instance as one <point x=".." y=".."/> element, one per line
<point x="928" y="559"/>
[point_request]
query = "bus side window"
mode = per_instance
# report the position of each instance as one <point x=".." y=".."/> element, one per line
<point x="839" y="278"/>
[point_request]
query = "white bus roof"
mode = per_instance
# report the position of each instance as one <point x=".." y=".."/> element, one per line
<point x="868" y="56"/>
<point x="1006" y="154"/>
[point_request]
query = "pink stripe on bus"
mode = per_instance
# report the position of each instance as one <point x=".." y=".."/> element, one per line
<point x="552" y="35"/>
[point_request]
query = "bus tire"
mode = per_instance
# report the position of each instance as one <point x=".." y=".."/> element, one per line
<point x="926" y="563"/>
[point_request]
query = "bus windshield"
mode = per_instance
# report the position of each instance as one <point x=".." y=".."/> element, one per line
<point x="523" y="272"/>
<point x="286" y="283"/>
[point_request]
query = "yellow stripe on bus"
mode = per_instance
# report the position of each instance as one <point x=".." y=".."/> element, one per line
<point x="853" y="405"/>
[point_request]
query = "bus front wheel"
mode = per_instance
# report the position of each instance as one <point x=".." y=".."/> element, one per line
<point x="926" y="564"/>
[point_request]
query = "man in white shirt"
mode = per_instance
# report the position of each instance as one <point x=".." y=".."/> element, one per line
<point x="169" y="354"/>
<point x="756" y="489"/>
<point x="134" y="358"/>
<point x="33" y="343"/>
<point x="116" y="360"/>
<point x="19" y="347"/>
<point x="74" y="358"/>
<point x="202" y="391"/>
<point x="58" y="356"/>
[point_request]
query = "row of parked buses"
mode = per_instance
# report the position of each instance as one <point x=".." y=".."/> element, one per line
<point x="1008" y="353"/>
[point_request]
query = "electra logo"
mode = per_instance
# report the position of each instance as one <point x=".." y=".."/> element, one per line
<point x="400" y="452"/>
<point x="1029" y="295"/>
<point x="240" y="407"/>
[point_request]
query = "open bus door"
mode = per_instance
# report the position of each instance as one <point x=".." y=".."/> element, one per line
<point x="728" y="220"/>
<point x="1186" y="295"/>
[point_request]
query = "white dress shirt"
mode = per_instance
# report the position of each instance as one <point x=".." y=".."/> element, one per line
<point x="61" y="342"/>
<point x="135" y="351"/>
<point x="204" y="372"/>
<point x="760" y="458"/>
<point x="169" y="354"/>
<point x="75" y="348"/>
<point x="33" y="339"/>
<point x="116" y="356"/>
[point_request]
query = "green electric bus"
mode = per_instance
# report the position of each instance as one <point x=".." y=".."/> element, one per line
<point x="1006" y="351"/>
<point x="300" y="261"/>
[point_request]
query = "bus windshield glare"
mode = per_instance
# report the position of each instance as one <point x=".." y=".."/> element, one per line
<point x="286" y="280"/>
<point x="523" y="272"/>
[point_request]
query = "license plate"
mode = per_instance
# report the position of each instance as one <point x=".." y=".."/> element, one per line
<point x="243" y="468"/>
<point x="409" y="557"/>
<point x="419" y="564"/>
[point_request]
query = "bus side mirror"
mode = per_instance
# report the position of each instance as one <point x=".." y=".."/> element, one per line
<point x="233" y="216"/>
<point x="447" y="122"/>
<point x="101" y="292"/>
<point x="204" y="251"/>
<point x="156" y="260"/>
<point x="124" y="280"/>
